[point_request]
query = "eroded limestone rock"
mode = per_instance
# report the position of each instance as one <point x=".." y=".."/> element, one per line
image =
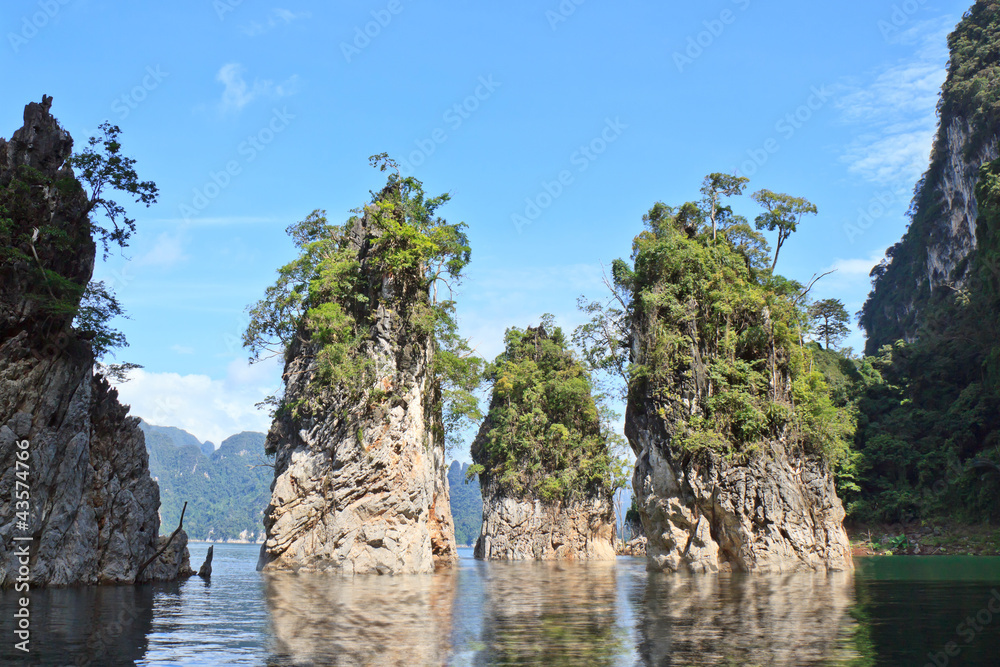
<point x="362" y="487"/>
<point x="523" y="529"/>
<point x="700" y="512"/>
<point x="93" y="506"/>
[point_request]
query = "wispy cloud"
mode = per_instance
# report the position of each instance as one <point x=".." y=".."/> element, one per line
<point x="237" y="92"/>
<point x="894" y="109"/>
<point x="182" y="349"/>
<point x="209" y="409"/>
<point x="277" y="17"/>
<point x="167" y="251"/>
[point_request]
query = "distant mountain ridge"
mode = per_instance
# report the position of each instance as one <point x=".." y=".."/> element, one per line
<point x="226" y="489"/>
<point x="466" y="504"/>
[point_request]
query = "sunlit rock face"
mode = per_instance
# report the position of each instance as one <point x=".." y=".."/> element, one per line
<point x="93" y="506"/>
<point x="366" y="620"/>
<point x="785" y="620"/>
<point x="533" y="529"/>
<point x="930" y="260"/>
<point x="363" y="488"/>
<point x="702" y="513"/>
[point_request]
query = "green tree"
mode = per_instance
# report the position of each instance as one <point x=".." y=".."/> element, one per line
<point x="829" y="318"/>
<point x="327" y="298"/>
<point x="713" y="339"/>
<point x="714" y="187"/>
<point x="783" y="213"/>
<point x="101" y="167"/>
<point x="547" y="433"/>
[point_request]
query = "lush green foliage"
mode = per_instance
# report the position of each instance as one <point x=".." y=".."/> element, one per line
<point x="329" y="296"/>
<point x="929" y="432"/>
<point x="466" y="503"/>
<point x="719" y="336"/>
<point x="226" y="489"/>
<point x="546" y="434"/>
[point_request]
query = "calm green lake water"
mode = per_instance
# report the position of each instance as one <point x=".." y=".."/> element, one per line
<point x="891" y="611"/>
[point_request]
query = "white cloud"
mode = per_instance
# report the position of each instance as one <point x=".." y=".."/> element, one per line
<point x="277" y="17"/>
<point x="182" y="349"/>
<point x="207" y="408"/>
<point x="238" y="93"/>
<point x="167" y="251"/>
<point x="895" y="110"/>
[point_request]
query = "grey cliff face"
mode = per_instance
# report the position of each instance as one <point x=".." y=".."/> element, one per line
<point x="362" y="488"/>
<point x="954" y="235"/>
<point x="532" y="529"/>
<point x="93" y="506"/>
<point x="701" y="513"/>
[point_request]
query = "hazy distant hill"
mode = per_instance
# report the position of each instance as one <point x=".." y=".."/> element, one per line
<point x="466" y="504"/>
<point x="226" y="489"/>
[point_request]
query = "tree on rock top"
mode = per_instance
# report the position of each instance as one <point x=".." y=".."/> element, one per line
<point x="394" y="253"/>
<point x="545" y="434"/>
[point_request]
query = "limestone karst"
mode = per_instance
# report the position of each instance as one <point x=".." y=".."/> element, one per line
<point x="544" y="461"/>
<point x="91" y="510"/>
<point x="360" y="474"/>
<point x="734" y="435"/>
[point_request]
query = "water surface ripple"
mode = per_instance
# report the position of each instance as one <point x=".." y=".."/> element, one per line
<point x="891" y="611"/>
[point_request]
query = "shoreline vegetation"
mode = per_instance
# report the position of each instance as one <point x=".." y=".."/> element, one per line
<point x="924" y="540"/>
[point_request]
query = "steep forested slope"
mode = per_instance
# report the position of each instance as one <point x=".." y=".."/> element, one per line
<point x="226" y="492"/>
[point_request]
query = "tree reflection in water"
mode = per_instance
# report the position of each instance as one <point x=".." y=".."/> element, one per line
<point x="550" y="613"/>
<point x="732" y="619"/>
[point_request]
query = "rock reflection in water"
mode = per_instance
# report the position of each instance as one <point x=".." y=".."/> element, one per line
<point x="93" y="626"/>
<point x="319" y="619"/>
<point x="550" y="613"/>
<point x="782" y="619"/>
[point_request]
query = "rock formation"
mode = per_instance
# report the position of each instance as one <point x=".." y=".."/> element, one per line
<point x="777" y="513"/>
<point x="942" y="230"/>
<point x="532" y="529"/>
<point x="542" y="516"/>
<point x="732" y="435"/>
<point x="92" y="511"/>
<point x="361" y="483"/>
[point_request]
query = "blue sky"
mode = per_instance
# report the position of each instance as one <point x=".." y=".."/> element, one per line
<point x="553" y="125"/>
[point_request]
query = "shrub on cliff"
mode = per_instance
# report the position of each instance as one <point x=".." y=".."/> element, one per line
<point x="545" y="434"/>
<point x="32" y="238"/>
<point x="715" y="337"/>
<point x="327" y="298"/>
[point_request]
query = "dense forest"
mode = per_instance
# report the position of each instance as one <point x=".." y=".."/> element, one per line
<point x="466" y="503"/>
<point x="928" y="439"/>
<point x="226" y="489"/>
<point x="546" y="435"/>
